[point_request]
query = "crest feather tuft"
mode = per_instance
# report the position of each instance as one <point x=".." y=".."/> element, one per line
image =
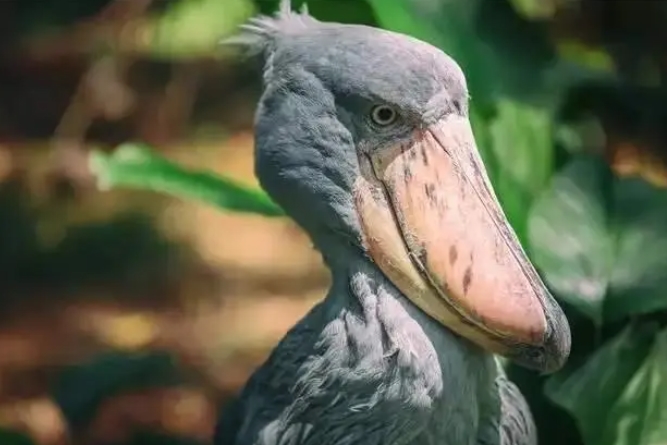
<point x="259" y="34"/>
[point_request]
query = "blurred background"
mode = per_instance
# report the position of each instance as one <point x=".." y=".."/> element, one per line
<point x="129" y="316"/>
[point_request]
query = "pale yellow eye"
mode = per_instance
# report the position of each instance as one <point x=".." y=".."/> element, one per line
<point x="383" y="115"/>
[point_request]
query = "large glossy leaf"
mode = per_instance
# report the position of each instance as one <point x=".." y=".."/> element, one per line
<point x="639" y="417"/>
<point x="521" y="140"/>
<point x="137" y="166"/>
<point x="619" y="396"/>
<point x="588" y="392"/>
<point x="569" y="239"/>
<point x="638" y="282"/>
<point x="601" y="241"/>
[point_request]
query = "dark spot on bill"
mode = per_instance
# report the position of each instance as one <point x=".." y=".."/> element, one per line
<point x="453" y="255"/>
<point x="467" y="279"/>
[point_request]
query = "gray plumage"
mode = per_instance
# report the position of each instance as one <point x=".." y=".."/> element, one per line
<point x="365" y="366"/>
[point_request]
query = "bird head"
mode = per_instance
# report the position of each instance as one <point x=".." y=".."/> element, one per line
<point x="363" y="137"/>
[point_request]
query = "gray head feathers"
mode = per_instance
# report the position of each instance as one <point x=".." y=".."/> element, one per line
<point x="259" y="34"/>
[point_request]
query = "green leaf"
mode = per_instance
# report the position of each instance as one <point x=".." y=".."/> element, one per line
<point x="137" y="166"/>
<point x="639" y="417"/>
<point x="600" y="241"/>
<point x="81" y="389"/>
<point x="638" y="282"/>
<point x="521" y="139"/>
<point x="569" y="240"/>
<point x="619" y="396"/>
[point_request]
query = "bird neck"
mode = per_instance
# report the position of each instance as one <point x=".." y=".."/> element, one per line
<point x="360" y="288"/>
<point x="381" y="321"/>
<point x="357" y="280"/>
<point x="358" y="285"/>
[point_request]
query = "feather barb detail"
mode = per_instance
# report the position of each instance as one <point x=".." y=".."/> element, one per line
<point x="259" y="34"/>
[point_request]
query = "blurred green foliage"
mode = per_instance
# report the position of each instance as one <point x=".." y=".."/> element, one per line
<point x="125" y="249"/>
<point x="193" y="28"/>
<point x="45" y="15"/>
<point x="601" y="241"/>
<point x="618" y="395"/>
<point x="8" y="437"/>
<point x="137" y="166"/>
<point x="82" y="388"/>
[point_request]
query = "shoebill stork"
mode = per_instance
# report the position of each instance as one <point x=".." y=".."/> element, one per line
<point x="363" y="137"/>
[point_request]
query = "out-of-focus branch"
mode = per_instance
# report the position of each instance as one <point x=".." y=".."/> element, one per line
<point x="100" y="93"/>
<point x="173" y="108"/>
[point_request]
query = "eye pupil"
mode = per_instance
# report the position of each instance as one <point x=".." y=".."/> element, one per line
<point x="383" y="115"/>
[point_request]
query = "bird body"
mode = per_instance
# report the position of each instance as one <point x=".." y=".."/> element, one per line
<point x="366" y="367"/>
<point x="362" y="137"/>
